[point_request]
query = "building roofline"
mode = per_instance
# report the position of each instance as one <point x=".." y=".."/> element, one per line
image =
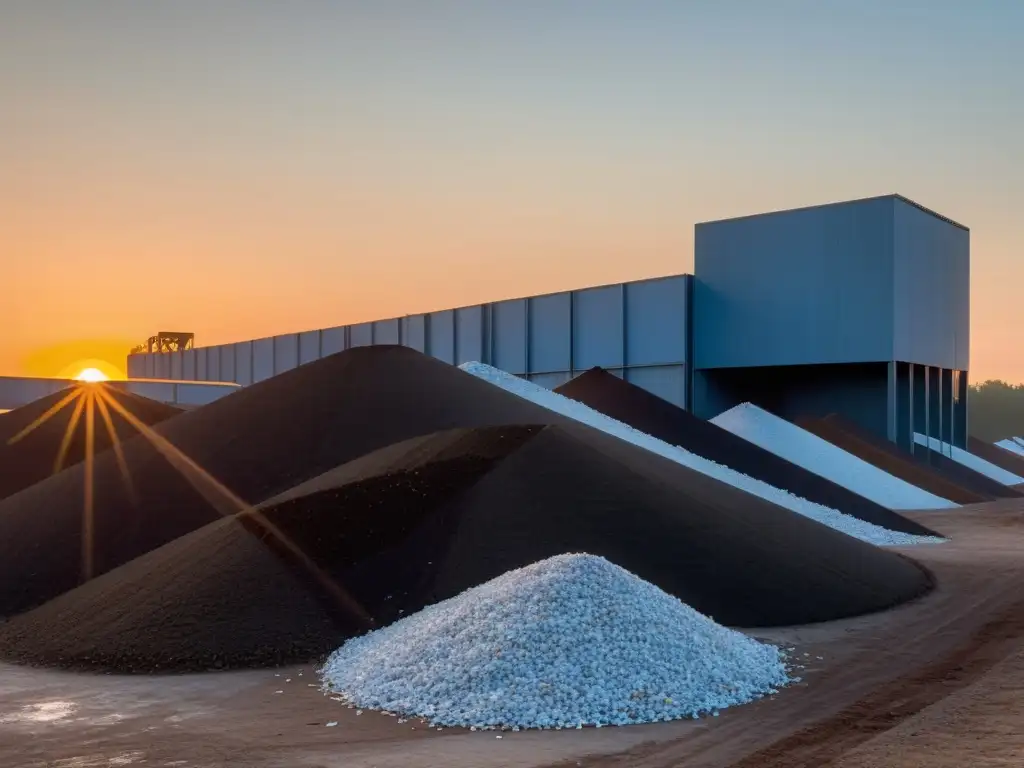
<point x="654" y="279"/>
<point x="891" y="196"/>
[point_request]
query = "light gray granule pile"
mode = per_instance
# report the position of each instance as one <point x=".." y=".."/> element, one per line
<point x="569" y="641"/>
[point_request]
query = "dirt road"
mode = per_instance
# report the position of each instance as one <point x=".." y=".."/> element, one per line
<point x="935" y="683"/>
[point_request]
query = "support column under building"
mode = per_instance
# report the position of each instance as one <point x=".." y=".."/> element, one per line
<point x="904" y="405"/>
<point x="935" y="402"/>
<point x="892" y="402"/>
<point x="920" y="405"/>
<point x="946" y="403"/>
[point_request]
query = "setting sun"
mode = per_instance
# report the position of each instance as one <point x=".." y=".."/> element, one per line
<point x="91" y="375"/>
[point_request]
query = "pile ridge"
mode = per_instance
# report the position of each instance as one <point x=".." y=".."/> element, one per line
<point x="821" y="457"/>
<point x="833" y="518"/>
<point x="37" y="437"/>
<point x="996" y="455"/>
<point x="925" y="471"/>
<point x="566" y="642"/>
<point x="977" y="463"/>
<point x="644" y="411"/>
<point x="1011" y="445"/>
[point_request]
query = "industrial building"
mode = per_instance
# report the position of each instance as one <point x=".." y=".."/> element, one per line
<point x="858" y="307"/>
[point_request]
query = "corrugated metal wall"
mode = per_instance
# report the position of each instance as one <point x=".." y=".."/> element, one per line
<point x="638" y="330"/>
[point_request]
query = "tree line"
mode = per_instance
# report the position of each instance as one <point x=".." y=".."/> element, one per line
<point x="995" y="410"/>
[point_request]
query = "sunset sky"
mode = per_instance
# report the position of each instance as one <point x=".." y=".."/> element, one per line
<point x="240" y="168"/>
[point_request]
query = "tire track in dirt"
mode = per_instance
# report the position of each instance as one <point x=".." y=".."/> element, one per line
<point x="822" y="744"/>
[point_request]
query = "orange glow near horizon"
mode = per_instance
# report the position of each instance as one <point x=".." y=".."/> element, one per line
<point x="206" y="192"/>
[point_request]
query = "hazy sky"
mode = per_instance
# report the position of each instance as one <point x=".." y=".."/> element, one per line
<point x="241" y="169"/>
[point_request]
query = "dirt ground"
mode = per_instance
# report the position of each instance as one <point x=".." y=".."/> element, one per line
<point x="937" y="683"/>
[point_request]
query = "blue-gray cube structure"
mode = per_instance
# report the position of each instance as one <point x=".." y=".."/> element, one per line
<point x="859" y="308"/>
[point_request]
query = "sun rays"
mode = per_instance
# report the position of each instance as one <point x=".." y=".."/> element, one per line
<point x="88" y="398"/>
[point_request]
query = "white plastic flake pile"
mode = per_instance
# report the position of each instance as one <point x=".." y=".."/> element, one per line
<point x="570" y="641"/>
<point x="969" y="460"/>
<point x="848" y="524"/>
<point x="1011" y="445"/>
<point x="821" y="457"/>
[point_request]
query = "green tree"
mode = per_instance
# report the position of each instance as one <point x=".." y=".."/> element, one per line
<point x="996" y="410"/>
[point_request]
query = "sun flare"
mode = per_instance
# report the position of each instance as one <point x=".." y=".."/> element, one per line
<point x="91" y="375"/>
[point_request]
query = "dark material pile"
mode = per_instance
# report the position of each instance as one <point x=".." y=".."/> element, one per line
<point x="42" y="427"/>
<point x="422" y="521"/>
<point x="993" y="454"/>
<point x="950" y="468"/>
<point x="642" y="410"/>
<point x="927" y="469"/>
<point x="257" y="442"/>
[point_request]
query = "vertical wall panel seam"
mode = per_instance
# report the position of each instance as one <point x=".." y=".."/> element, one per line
<point x="572" y="333"/>
<point x="529" y="337"/>
<point x="624" y="352"/>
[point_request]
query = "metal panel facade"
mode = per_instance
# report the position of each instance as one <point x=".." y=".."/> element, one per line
<point x="202" y="355"/>
<point x="387" y="331"/>
<point x="309" y="347"/>
<point x="188" y="365"/>
<point x="213" y="364"/>
<point x="176" y="368"/>
<point x="469" y="335"/>
<point x="227" y="363"/>
<point x="333" y="340"/>
<point x="441" y="335"/>
<point x="136" y="366"/>
<point x="598" y="328"/>
<point x="550" y="333"/>
<point x="657" y="316"/>
<point x="666" y="381"/>
<point x="262" y="359"/>
<point x="796" y="287"/>
<point x="509" y="336"/>
<point x="286" y="352"/>
<point x="361" y="335"/>
<point x="550" y="380"/>
<point x="414" y="332"/>
<point x="243" y="362"/>
<point x="932" y="289"/>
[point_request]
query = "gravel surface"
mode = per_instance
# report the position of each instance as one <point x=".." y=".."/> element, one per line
<point x="808" y="450"/>
<point x="570" y="641"/>
<point x="831" y="517"/>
